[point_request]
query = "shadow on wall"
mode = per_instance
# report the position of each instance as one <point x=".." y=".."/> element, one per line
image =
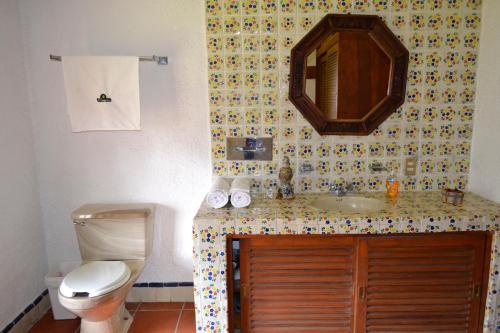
<point x="168" y="241"/>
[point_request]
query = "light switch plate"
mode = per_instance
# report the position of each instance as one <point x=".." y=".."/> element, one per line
<point x="411" y="166"/>
<point x="249" y="149"/>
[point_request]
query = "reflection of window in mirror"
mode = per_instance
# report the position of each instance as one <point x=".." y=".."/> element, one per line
<point x="327" y="61"/>
<point x="322" y="76"/>
<point x="347" y="75"/>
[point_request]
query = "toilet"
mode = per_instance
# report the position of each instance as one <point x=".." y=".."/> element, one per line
<point x="115" y="242"/>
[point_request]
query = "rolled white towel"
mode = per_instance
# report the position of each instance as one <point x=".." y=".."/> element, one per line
<point x="218" y="195"/>
<point x="240" y="192"/>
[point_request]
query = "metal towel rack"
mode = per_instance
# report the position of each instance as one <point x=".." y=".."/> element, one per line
<point x="160" y="60"/>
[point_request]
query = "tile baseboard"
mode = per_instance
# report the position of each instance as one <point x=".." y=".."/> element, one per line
<point x="30" y="315"/>
<point x="162" y="292"/>
<point x="162" y="284"/>
<point x="141" y="292"/>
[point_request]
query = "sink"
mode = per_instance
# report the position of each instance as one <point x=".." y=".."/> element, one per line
<point x="349" y="204"/>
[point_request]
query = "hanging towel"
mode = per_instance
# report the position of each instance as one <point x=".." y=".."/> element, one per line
<point x="218" y="196"/>
<point x="102" y="93"/>
<point x="240" y="192"/>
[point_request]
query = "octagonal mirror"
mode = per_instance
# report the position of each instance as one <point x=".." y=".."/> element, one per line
<point x="348" y="74"/>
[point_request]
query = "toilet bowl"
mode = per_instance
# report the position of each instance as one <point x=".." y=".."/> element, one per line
<point x="115" y="242"/>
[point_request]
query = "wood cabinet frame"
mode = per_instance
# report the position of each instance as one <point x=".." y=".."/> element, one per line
<point x="480" y="272"/>
<point x="385" y="39"/>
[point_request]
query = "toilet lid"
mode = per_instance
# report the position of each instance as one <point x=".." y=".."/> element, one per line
<point x="95" y="278"/>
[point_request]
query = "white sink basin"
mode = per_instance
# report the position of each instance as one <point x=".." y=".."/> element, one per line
<point x="349" y="204"/>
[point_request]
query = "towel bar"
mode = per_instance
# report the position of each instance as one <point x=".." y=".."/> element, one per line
<point x="161" y="60"/>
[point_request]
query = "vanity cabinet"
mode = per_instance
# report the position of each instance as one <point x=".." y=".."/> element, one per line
<point x="362" y="283"/>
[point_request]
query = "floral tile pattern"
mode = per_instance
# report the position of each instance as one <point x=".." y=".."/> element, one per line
<point x="249" y="43"/>
<point x="412" y="212"/>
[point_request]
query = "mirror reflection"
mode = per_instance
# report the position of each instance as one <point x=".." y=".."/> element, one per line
<point x="347" y="75"/>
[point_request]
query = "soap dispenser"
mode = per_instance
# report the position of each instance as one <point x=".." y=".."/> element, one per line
<point x="392" y="184"/>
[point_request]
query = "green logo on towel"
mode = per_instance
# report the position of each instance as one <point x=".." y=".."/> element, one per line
<point x="103" y="98"/>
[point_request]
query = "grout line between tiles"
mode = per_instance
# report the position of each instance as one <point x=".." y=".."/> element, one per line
<point x="179" y="318"/>
<point x="139" y="304"/>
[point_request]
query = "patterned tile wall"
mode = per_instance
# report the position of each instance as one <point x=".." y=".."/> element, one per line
<point x="249" y="43"/>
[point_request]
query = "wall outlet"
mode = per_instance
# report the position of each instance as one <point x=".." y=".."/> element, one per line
<point x="411" y="166"/>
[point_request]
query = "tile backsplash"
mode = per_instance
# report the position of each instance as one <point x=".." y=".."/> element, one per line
<point x="249" y="43"/>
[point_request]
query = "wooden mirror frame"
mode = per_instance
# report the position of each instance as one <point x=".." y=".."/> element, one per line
<point x="385" y="39"/>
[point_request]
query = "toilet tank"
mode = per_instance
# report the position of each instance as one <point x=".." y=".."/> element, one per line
<point x="114" y="232"/>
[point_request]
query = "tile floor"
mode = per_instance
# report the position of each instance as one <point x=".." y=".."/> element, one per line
<point x="174" y="317"/>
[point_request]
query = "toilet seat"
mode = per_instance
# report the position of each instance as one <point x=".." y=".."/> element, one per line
<point x="95" y="278"/>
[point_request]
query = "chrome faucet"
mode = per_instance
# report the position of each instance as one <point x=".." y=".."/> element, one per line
<point x="340" y="190"/>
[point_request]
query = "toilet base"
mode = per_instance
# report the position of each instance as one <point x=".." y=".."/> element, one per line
<point x="119" y="322"/>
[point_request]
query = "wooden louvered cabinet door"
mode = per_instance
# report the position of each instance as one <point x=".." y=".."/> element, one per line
<point x="422" y="282"/>
<point x="364" y="283"/>
<point x="297" y="284"/>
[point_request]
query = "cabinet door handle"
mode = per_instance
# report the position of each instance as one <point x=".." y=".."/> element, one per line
<point x="244" y="291"/>
<point x="362" y="293"/>
<point x="477" y="290"/>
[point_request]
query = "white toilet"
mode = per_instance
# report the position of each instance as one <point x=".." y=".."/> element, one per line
<point x="114" y="242"/>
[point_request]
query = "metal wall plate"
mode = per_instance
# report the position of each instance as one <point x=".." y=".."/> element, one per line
<point x="249" y="149"/>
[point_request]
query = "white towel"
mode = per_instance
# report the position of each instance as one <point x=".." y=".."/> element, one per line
<point x="218" y="195"/>
<point x="240" y="192"/>
<point x="102" y="93"/>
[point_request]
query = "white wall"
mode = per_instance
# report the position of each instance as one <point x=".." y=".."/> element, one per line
<point x="167" y="162"/>
<point x="485" y="167"/>
<point x="22" y="253"/>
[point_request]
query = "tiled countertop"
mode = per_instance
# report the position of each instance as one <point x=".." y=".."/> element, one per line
<point x="410" y="212"/>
